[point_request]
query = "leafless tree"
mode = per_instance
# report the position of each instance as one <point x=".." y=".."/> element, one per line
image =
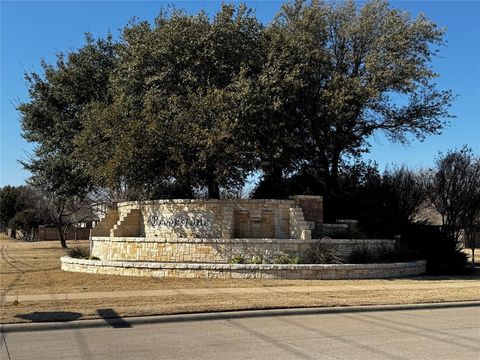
<point x="408" y="191"/>
<point x="66" y="215"/>
<point x="454" y="190"/>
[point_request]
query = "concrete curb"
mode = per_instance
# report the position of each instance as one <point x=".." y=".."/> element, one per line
<point x="145" y="320"/>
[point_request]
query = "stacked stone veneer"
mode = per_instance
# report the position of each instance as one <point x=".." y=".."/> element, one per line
<point x="299" y="228"/>
<point x="244" y="271"/>
<point x="202" y="230"/>
<point x="213" y="250"/>
<point x="212" y="231"/>
<point x="234" y="218"/>
<point x="312" y="208"/>
<point x="193" y="250"/>
<point x="197" y="238"/>
<point x="108" y="222"/>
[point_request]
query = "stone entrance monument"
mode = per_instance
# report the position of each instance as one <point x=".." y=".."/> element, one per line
<point x="200" y="238"/>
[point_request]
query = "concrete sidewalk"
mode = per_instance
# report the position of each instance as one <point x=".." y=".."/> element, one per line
<point x="8" y="299"/>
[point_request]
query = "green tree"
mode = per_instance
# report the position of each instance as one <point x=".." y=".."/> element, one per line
<point x="29" y="213"/>
<point x="176" y="122"/>
<point x="52" y="118"/>
<point x="344" y="73"/>
<point x="192" y="104"/>
<point x="8" y="207"/>
<point x="20" y="210"/>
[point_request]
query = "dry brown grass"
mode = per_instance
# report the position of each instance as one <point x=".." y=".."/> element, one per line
<point x="34" y="268"/>
<point x="176" y="304"/>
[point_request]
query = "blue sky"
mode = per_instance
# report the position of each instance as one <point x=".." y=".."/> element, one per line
<point x="34" y="30"/>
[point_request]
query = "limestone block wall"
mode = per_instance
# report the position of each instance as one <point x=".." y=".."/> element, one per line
<point x="299" y="228"/>
<point x="193" y="250"/>
<point x="183" y="218"/>
<point x="262" y="219"/>
<point x="238" y="218"/>
<point x="312" y="207"/>
<point x="106" y="224"/>
<point x="213" y="250"/>
<point x="129" y="224"/>
<point x="245" y="271"/>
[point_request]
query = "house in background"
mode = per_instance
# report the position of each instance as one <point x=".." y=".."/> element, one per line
<point x="429" y="215"/>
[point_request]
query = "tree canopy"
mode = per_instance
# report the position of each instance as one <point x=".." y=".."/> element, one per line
<point x="177" y="113"/>
<point x="346" y="72"/>
<point x="192" y="104"/>
<point x="52" y="118"/>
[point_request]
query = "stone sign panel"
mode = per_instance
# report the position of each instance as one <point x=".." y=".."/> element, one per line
<point x="180" y="220"/>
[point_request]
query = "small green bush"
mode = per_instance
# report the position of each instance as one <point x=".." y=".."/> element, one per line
<point x="257" y="259"/>
<point x="79" y="252"/>
<point x="322" y="253"/>
<point x="238" y="259"/>
<point x="286" y="259"/>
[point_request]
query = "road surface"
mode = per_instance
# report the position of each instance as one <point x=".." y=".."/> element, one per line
<point x="452" y="333"/>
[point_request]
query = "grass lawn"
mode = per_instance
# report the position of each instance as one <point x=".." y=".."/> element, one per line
<point x="34" y="268"/>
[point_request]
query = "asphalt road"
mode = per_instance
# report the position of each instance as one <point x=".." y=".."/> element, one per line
<point x="412" y="334"/>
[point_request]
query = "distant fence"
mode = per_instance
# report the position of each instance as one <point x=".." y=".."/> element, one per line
<point x="51" y="233"/>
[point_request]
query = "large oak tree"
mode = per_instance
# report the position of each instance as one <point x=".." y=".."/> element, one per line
<point x="343" y="73"/>
<point x="191" y="104"/>
<point x="178" y="110"/>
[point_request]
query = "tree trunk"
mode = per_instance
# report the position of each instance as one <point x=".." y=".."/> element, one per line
<point x="186" y="188"/>
<point x="213" y="188"/>
<point x="61" y="236"/>
<point x="473" y="256"/>
<point x="331" y="195"/>
<point x="333" y="176"/>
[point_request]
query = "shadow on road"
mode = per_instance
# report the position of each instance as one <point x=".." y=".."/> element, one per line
<point x="44" y="316"/>
<point x="113" y="319"/>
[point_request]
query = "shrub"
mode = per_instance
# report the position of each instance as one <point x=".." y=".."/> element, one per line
<point x="286" y="259"/>
<point x="79" y="252"/>
<point x="257" y="259"/>
<point x="362" y="254"/>
<point x="340" y="233"/>
<point x="322" y="253"/>
<point x="332" y="233"/>
<point x="238" y="259"/>
<point x="400" y="253"/>
<point x="442" y="251"/>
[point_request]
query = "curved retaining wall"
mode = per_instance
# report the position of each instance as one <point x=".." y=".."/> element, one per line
<point x="244" y="271"/>
<point x="204" y="250"/>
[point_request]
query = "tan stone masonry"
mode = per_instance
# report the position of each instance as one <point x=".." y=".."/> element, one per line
<point x="198" y="238"/>
<point x="213" y="250"/>
<point x="245" y="271"/>
<point x="233" y="218"/>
